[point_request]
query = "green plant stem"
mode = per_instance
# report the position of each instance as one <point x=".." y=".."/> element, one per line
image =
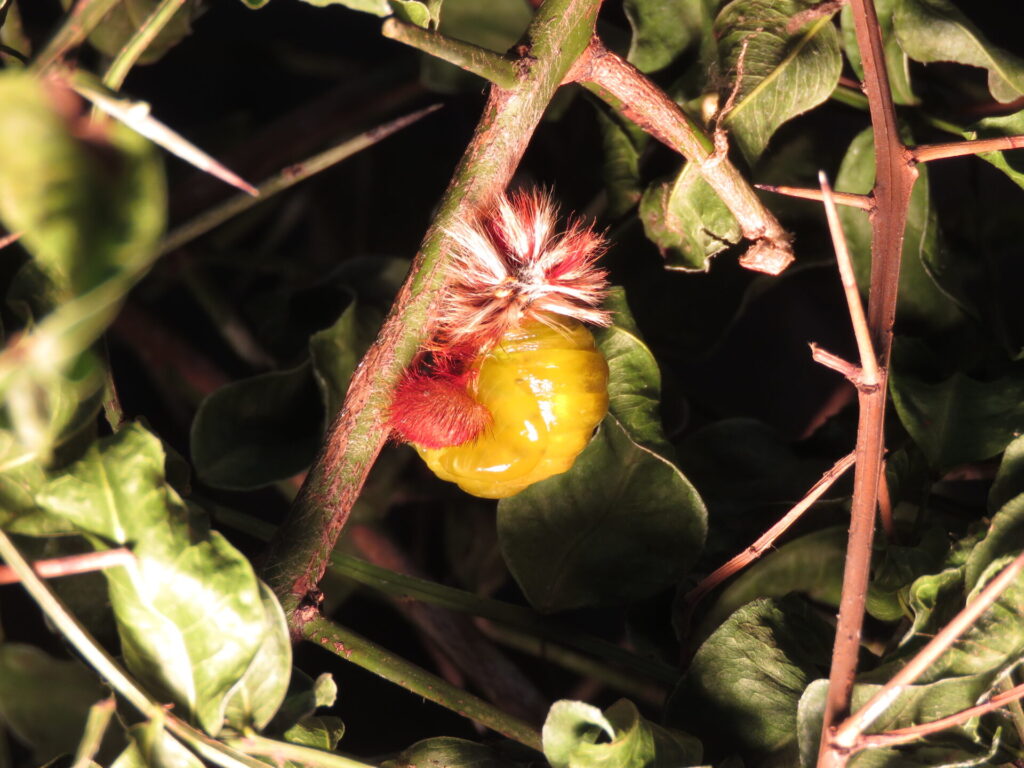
<point x="301" y="551"/>
<point x="132" y="51"/>
<point x="96" y="726"/>
<point x="472" y="58"/>
<point x="286" y="178"/>
<point x="349" y="646"/>
<point x="82" y="19"/>
<point x="283" y="751"/>
<point x="522" y="619"/>
<point x="110" y="670"/>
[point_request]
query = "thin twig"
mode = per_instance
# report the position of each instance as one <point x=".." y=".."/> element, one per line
<point x="80" y="21"/>
<point x="286" y="178"/>
<point x="915" y="732"/>
<point x="928" y="152"/>
<point x="8" y="239"/>
<point x="849" y="371"/>
<point x="765" y="541"/>
<point x="349" y="646"/>
<point x="863" y="202"/>
<point x="623" y="87"/>
<point x="131" y="51"/>
<point x="869" y="376"/>
<point x="72" y="564"/>
<point x="847" y="736"/>
<point x="285" y="753"/>
<point x="472" y="58"/>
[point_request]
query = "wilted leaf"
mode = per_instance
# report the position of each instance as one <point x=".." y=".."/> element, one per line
<point x="662" y="30"/>
<point x="577" y="735"/>
<point x="745" y="681"/>
<point x="922" y="300"/>
<point x="935" y="30"/>
<point x="621" y="524"/>
<point x="785" y="73"/>
<point x="259" y="430"/>
<point x="45" y="701"/>
<point x="687" y="221"/>
<point x="189" y="610"/>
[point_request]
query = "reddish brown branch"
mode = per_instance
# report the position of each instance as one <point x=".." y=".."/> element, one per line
<point x="72" y="564"/>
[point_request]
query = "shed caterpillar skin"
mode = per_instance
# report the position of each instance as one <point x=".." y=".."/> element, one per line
<point x="512" y="384"/>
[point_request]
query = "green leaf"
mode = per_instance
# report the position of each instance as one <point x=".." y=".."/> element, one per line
<point x="1004" y="536"/>
<point x="128" y="16"/>
<point x="622" y="143"/>
<point x="664" y="29"/>
<point x="376" y="7"/>
<point x="189" y="611"/>
<point x="336" y="351"/>
<point x="153" y="747"/>
<point x="1009" y="480"/>
<point x="621" y="524"/>
<point x="897" y="64"/>
<point x="412" y="12"/>
<point x="21" y="475"/>
<point x="687" y="221"/>
<point x="634" y="381"/>
<point x="577" y="735"/>
<point x="959" y="419"/>
<point x="257" y="431"/>
<point x="45" y="701"/>
<point x="745" y="681"/>
<point x="450" y="753"/>
<point x="996" y="127"/>
<point x="922" y="300"/>
<point x="935" y="30"/>
<point x="84" y="217"/>
<point x="259" y="693"/>
<point x="317" y="731"/>
<point x="784" y="73"/>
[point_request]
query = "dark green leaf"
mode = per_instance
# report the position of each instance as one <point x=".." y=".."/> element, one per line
<point x="622" y="142"/>
<point x="450" y="753"/>
<point x="1009" y="480"/>
<point x="256" y="698"/>
<point x="621" y="524"/>
<point x="785" y="73"/>
<point x="577" y="735"/>
<point x="189" y="611"/>
<point x="662" y="30"/>
<point x="336" y="351"/>
<point x="897" y="64"/>
<point x="922" y="300"/>
<point x="687" y="221"/>
<point x="45" y="701"/>
<point x="935" y="30"/>
<point x="959" y="419"/>
<point x="128" y="16"/>
<point x="634" y="381"/>
<point x="259" y="430"/>
<point x="1004" y="537"/>
<point x="745" y="681"/>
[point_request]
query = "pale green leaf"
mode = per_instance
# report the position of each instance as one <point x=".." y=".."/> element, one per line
<point x="376" y="7"/>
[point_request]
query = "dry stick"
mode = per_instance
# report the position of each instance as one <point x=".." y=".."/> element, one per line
<point x="894" y="179"/>
<point x="848" y="735"/>
<point x="928" y="152"/>
<point x="8" y="239"/>
<point x="72" y="564"/>
<point x="755" y="550"/>
<point x="301" y="550"/>
<point x="629" y="92"/>
<point x="864" y="202"/>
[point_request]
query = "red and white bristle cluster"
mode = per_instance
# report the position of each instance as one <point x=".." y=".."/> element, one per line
<point x="508" y="264"/>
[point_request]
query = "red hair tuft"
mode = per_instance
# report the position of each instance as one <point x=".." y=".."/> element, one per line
<point x="434" y="409"/>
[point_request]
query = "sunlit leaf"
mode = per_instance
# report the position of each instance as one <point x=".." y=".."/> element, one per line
<point x="412" y="12"/>
<point x="189" y="610"/>
<point x="21" y="475"/>
<point x="936" y="30"/>
<point x="687" y="221"/>
<point x="743" y="686"/>
<point x="153" y="747"/>
<point x="318" y="731"/>
<point x="577" y="735"/>
<point x="785" y="72"/>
